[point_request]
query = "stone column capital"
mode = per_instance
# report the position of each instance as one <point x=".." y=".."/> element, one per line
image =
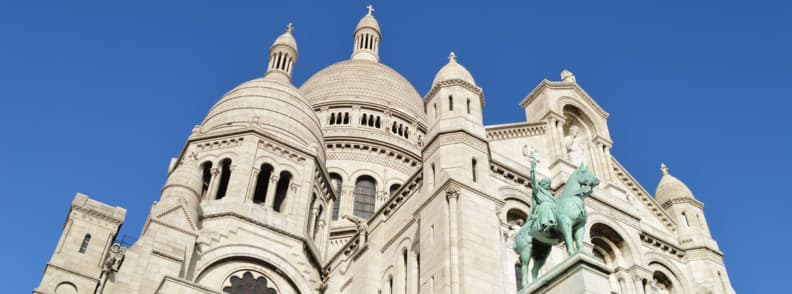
<point x="452" y="193"/>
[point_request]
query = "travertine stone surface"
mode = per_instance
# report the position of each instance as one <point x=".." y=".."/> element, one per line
<point x="259" y="193"/>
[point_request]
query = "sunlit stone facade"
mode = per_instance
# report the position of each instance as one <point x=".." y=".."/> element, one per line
<point x="355" y="183"/>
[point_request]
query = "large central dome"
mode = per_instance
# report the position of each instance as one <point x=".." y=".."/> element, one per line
<point x="362" y="82"/>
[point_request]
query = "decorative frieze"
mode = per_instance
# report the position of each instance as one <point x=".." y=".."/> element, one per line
<point x="663" y="246"/>
<point x="219" y="143"/>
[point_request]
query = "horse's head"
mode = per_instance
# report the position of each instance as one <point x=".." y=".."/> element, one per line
<point x="585" y="179"/>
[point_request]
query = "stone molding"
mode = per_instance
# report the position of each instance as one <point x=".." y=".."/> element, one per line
<point x="97" y="214"/>
<point x="219" y="143"/>
<point x="455" y="137"/>
<point x="455" y="82"/>
<point x="693" y="202"/>
<point x="567" y="86"/>
<point x="639" y="191"/>
<point x="663" y="246"/>
<point x="519" y="130"/>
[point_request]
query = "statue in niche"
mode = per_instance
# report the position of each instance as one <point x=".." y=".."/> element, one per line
<point x="575" y="146"/>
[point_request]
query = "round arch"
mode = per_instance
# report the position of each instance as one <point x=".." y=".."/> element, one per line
<point x="250" y="255"/>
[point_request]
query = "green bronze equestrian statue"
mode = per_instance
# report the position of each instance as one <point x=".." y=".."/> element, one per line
<point x="553" y="221"/>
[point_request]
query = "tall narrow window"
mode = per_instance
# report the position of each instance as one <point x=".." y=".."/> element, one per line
<point x="434" y="179"/>
<point x="365" y="195"/>
<point x="84" y="245"/>
<point x="418" y="272"/>
<point x="363" y="119"/>
<point x="687" y="222"/>
<point x="346" y="118"/>
<point x="281" y="190"/>
<point x="317" y="220"/>
<point x="377" y="122"/>
<point x="332" y="118"/>
<point x="435" y="110"/>
<point x="405" y="272"/>
<point x="468" y="106"/>
<point x="225" y="176"/>
<point x="473" y="165"/>
<point x="336" y="182"/>
<point x="206" y="177"/>
<point x="450" y="103"/>
<point x="262" y="183"/>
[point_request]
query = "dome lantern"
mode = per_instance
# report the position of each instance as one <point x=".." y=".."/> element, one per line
<point x="367" y="38"/>
<point x="283" y="56"/>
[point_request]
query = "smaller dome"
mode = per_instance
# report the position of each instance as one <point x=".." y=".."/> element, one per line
<point x="453" y="71"/>
<point x="671" y="188"/>
<point x="286" y="39"/>
<point x="368" y="21"/>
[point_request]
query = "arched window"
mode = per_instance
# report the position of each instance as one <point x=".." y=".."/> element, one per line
<point x="338" y="119"/>
<point x="363" y="120"/>
<point x="394" y="188"/>
<point x="365" y="195"/>
<point x="346" y="118"/>
<point x="393" y="128"/>
<point x="468" y="106"/>
<point x="516" y="217"/>
<point x="336" y="182"/>
<point x="377" y="122"/>
<point x="281" y="190"/>
<point x="225" y="176"/>
<point x="84" y="245"/>
<point x="450" y="103"/>
<point x="206" y="177"/>
<point x="332" y="118"/>
<point x="406" y="132"/>
<point x="262" y="183"/>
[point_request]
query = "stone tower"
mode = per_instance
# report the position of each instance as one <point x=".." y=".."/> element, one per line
<point x="79" y="257"/>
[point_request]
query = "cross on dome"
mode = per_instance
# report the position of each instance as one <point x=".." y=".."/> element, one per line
<point x="370" y="9"/>
<point x="289" y="27"/>
<point x="452" y="57"/>
<point x="664" y="168"/>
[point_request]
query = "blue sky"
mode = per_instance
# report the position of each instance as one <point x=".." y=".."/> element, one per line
<point x="96" y="97"/>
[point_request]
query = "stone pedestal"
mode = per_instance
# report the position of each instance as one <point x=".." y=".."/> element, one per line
<point x="578" y="274"/>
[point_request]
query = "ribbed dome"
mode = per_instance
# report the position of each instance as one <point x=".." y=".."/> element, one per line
<point x="368" y="21"/>
<point x="671" y="188"/>
<point x="274" y="106"/>
<point x="452" y="71"/>
<point x="363" y="81"/>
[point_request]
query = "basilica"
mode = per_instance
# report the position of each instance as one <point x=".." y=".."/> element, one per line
<point x="356" y="183"/>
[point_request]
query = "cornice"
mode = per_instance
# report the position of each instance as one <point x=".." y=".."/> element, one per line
<point x="563" y="85"/>
<point x="642" y="194"/>
<point x="515" y="130"/>
<point x="454" y="82"/>
<point x="692" y="201"/>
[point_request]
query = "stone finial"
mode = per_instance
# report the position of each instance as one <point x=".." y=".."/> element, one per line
<point x="567" y="76"/>
<point x="370" y="9"/>
<point x="664" y="169"/>
<point x="452" y="57"/>
<point x="289" y="27"/>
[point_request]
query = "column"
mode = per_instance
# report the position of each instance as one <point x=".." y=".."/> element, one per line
<point x="252" y="184"/>
<point x="213" y="184"/>
<point x="453" y="197"/>
<point x="638" y="284"/>
<point x="271" y="189"/>
<point x="412" y="271"/>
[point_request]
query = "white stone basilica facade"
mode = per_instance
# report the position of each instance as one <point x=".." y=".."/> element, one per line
<point x="354" y="183"/>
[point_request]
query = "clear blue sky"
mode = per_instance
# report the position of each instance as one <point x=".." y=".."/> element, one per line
<point x="97" y="97"/>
